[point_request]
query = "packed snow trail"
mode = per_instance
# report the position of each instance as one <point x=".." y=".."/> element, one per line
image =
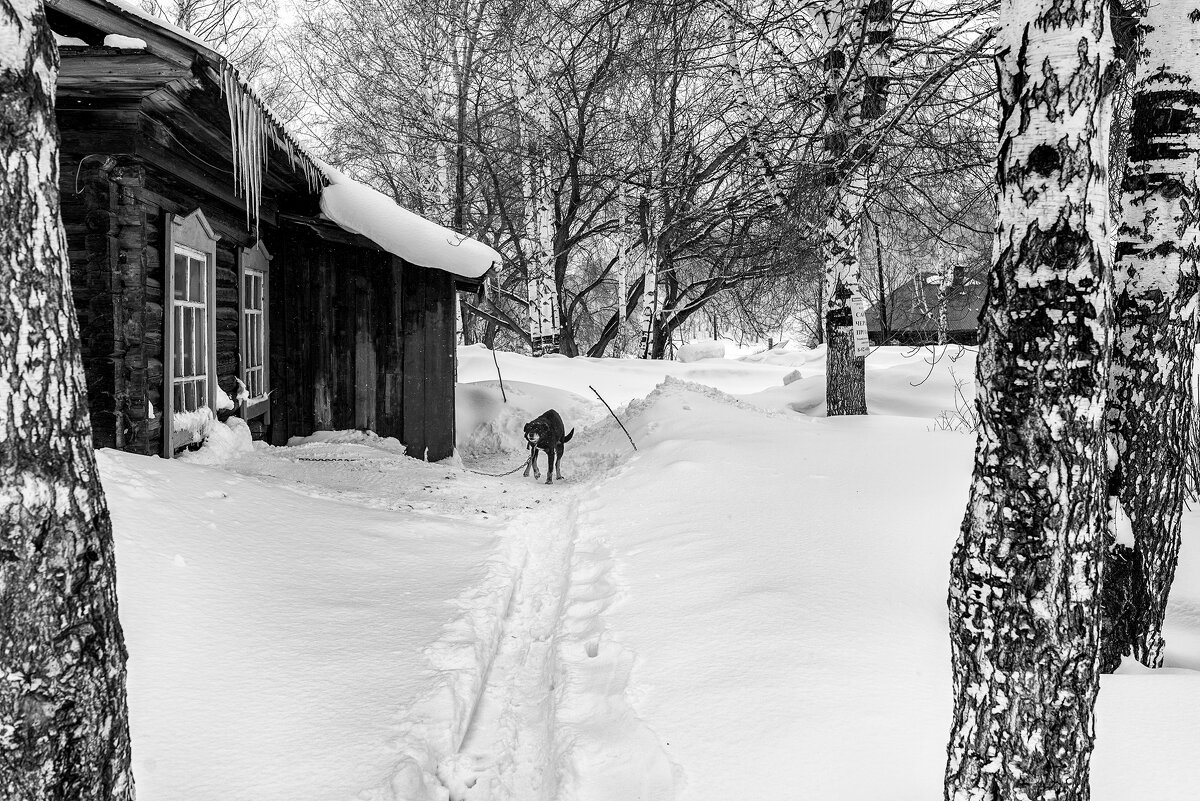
<point x="506" y="749"/>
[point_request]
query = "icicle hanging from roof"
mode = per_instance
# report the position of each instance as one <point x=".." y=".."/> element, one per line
<point x="252" y="127"/>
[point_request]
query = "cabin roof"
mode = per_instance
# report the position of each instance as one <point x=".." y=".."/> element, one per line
<point x="913" y="305"/>
<point x="136" y="53"/>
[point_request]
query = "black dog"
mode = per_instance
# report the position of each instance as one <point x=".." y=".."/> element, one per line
<point x="546" y="433"/>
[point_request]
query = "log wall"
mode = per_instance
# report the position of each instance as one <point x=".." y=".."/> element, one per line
<point x="358" y="338"/>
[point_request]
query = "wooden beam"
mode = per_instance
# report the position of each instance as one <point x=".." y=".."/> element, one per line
<point x="329" y="231"/>
<point x="110" y="19"/>
<point x="105" y="71"/>
<point x="175" y="164"/>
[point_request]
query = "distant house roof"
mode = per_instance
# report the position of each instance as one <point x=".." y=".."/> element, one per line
<point x="912" y="307"/>
<point x="255" y="129"/>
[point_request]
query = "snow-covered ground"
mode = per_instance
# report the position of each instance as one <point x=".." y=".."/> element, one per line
<point x="752" y="604"/>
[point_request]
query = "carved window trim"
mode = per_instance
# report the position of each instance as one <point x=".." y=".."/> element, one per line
<point x="254" y="330"/>
<point x="192" y="237"/>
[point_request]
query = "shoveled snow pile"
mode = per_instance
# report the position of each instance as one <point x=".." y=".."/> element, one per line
<point x="222" y="442"/>
<point x="491" y="421"/>
<point x="362" y="210"/>
<point x="700" y="349"/>
<point x="349" y="437"/>
<point x="617" y="380"/>
<point x="752" y="604"/>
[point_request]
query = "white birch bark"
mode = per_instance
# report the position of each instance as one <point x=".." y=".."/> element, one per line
<point x="750" y="115"/>
<point x="650" y="302"/>
<point x="1025" y="574"/>
<point x="533" y="123"/>
<point x="63" y="718"/>
<point x="622" y="266"/>
<point x="1152" y="408"/>
<point x="943" y="322"/>
<point x="855" y="95"/>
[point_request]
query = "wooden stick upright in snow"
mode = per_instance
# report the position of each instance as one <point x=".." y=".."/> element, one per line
<point x="64" y="731"/>
<point x="1152" y="408"/>
<point x="614" y="416"/>
<point x="1025" y="575"/>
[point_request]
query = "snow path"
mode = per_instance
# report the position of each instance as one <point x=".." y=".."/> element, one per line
<point x="506" y="750"/>
<point x="527" y="699"/>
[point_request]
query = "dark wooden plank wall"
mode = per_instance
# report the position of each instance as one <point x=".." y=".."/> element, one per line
<point x="428" y="314"/>
<point x="330" y="338"/>
<point x="361" y="340"/>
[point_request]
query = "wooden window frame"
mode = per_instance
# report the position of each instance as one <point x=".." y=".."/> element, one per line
<point x="255" y="260"/>
<point x="191" y="232"/>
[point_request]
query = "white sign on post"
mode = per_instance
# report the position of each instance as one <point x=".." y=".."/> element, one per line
<point x="858" y="311"/>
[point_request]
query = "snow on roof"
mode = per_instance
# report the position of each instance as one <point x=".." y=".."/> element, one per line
<point x="362" y="210"/>
<point x="133" y="9"/>
<point x="124" y="42"/>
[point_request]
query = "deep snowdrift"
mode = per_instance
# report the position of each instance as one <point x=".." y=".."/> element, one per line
<point x="752" y="604"/>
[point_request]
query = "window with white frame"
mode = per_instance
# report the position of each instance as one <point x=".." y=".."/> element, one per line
<point x="189" y="307"/>
<point x="189" y="330"/>
<point x="253" y="302"/>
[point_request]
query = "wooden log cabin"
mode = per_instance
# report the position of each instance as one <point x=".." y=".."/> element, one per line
<point x="211" y="257"/>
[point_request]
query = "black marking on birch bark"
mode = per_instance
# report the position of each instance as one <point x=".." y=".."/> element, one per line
<point x="1044" y="160"/>
<point x="878" y="10"/>
<point x="1162" y="114"/>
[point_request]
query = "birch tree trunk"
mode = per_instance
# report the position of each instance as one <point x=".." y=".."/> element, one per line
<point x="943" y="320"/>
<point x="851" y="101"/>
<point x="1025" y="574"/>
<point x="532" y="122"/>
<point x="1151" y="405"/>
<point x="63" y="719"/>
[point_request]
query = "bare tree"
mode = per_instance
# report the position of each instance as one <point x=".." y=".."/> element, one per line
<point x="63" y="719"/>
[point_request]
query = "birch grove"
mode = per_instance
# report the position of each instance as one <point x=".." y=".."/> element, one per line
<point x="64" y="729"/>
